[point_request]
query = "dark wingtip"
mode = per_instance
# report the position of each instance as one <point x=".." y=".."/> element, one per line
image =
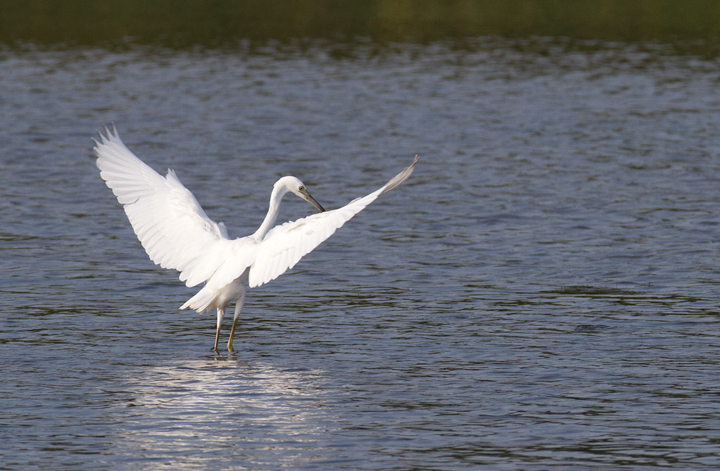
<point x="401" y="177"/>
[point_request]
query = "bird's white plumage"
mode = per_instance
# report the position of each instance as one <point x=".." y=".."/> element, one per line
<point x="286" y="244"/>
<point x="169" y="222"/>
<point x="176" y="233"/>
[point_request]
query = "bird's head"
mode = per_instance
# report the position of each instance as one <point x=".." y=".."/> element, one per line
<point x="295" y="186"/>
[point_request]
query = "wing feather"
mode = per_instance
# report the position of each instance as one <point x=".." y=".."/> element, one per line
<point x="286" y="244"/>
<point x="168" y="220"/>
<point x="176" y="233"/>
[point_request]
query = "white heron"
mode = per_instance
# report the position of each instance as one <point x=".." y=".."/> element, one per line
<point x="176" y="233"/>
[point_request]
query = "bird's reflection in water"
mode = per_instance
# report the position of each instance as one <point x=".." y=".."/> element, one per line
<point x="198" y="412"/>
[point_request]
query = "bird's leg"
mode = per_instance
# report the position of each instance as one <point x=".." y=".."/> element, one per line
<point x="220" y="314"/>
<point x="238" y="308"/>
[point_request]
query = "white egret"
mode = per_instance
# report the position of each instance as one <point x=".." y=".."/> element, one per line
<point x="176" y="233"/>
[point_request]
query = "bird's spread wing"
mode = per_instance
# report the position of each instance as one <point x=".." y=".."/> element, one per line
<point x="168" y="220"/>
<point x="286" y="244"/>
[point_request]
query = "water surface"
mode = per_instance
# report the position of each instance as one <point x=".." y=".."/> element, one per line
<point x="541" y="294"/>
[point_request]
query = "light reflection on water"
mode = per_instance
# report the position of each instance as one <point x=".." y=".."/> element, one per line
<point x="541" y="293"/>
<point x="279" y="416"/>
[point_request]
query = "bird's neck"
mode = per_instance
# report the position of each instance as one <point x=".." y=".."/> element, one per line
<point x="272" y="214"/>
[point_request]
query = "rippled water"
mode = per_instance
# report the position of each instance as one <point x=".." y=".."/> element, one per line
<point x="541" y="294"/>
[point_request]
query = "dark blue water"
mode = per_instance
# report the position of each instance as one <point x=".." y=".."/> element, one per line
<point x="541" y="294"/>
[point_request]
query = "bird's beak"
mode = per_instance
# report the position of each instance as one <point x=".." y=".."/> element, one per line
<point x="306" y="196"/>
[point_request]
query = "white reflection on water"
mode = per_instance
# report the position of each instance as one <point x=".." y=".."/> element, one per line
<point x="246" y="414"/>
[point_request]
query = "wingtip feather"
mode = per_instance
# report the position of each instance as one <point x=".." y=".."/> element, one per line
<point x="400" y="177"/>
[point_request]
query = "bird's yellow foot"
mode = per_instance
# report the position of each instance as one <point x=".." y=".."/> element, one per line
<point x="230" y="345"/>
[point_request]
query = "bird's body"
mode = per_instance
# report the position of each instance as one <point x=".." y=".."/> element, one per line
<point x="176" y="233"/>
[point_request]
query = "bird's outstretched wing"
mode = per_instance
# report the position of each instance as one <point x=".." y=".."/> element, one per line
<point x="166" y="217"/>
<point x="286" y="244"/>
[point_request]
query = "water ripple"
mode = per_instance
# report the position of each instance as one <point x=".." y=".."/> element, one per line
<point x="539" y="295"/>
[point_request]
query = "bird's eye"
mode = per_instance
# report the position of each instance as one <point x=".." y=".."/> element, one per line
<point x="302" y="188"/>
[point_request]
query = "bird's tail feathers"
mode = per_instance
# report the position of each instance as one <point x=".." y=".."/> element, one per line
<point x="202" y="301"/>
